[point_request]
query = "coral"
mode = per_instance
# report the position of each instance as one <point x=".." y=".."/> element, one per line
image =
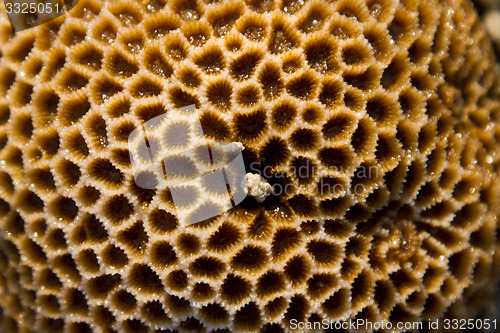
<point x="378" y="119"/>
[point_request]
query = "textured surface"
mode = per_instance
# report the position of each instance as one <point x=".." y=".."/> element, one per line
<point x="392" y="108"/>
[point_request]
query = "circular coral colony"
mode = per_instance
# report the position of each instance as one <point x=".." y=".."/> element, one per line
<point x="370" y="128"/>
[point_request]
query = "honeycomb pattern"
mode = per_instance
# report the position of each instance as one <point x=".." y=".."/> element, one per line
<point x="380" y="118"/>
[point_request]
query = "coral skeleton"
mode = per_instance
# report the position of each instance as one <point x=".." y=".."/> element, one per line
<point x="371" y="136"/>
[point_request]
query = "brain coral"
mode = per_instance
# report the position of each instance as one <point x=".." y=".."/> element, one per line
<point x="380" y="118"/>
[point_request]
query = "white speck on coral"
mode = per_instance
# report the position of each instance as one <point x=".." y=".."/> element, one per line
<point x="258" y="188"/>
<point x="492" y="22"/>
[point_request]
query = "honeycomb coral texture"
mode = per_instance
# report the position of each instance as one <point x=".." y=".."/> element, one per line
<point x="391" y="108"/>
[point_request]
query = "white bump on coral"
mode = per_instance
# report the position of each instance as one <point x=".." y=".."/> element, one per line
<point x="258" y="188"/>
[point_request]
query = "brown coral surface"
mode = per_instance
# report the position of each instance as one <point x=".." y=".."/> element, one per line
<point x="377" y="119"/>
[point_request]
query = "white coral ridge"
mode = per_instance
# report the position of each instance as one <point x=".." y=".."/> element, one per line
<point x="257" y="186"/>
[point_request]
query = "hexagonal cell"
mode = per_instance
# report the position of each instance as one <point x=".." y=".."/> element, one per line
<point x="304" y="169"/>
<point x="338" y="304"/>
<point x="88" y="262"/>
<point x="21" y="91"/>
<point x="284" y="240"/>
<point x="114" y="257"/>
<point x="258" y="126"/>
<point x="207" y="267"/>
<point x="68" y="172"/>
<point x="283" y="115"/>
<point x="123" y="300"/>
<point x="219" y="94"/>
<point x="177" y="280"/>
<point x="181" y="98"/>
<point x="104" y="87"/>
<point x="176" y="48"/>
<point x="64" y="208"/>
<point x="315" y="17"/>
<point x="244" y="66"/>
<point x="297" y="308"/>
<point x="211" y="60"/>
<point x="304" y="139"/>
<point x="303" y="86"/>
<point x="8" y="78"/>
<point x="362" y="79"/>
<point x="117" y="208"/>
<point x="324" y="252"/>
<point x="250" y="258"/>
<point x="99" y="287"/>
<point x="163" y="254"/>
<point x="271" y="81"/>
<point x="402" y="26"/>
<point x="356" y="54"/>
<point x="132" y="39"/>
<point x="234" y="41"/>
<point x="291" y="6"/>
<point x="275" y="152"/>
<point x="97" y="128"/>
<point x="128" y="12"/>
<point x="73" y="108"/>
<point x="189" y="77"/>
<point x="234" y="289"/>
<point x="88" y="195"/>
<point x="156" y="63"/>
<point x="214" y="126"/>
<point x="73" y="33"/>
<point x="292" y="61"/>
<point x="380" y="41"/>
<point x="320" y="285"/>
<point x="160" y="24"/>
<point x="104" y="30"/>
<point x="104" y="171"/>
<point x="320" y="54"/>
<point x="355" y="10"/>
<point x="22" y="126"/>
<point x="42" y="179"/>
<point x="248" y="317"/>
<point x="163" y="221"/>
<point x="223" y="16"/>
<point x="134" y="238"/>
<point x="248" y="95"/>
<point x="144" y="279"/>
<point x="144" y="87"/>
<point x="253" y="27"/>
<point x="120" y="63"/>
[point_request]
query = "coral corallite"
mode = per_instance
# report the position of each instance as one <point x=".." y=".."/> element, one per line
<point x="377" y="119"/>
